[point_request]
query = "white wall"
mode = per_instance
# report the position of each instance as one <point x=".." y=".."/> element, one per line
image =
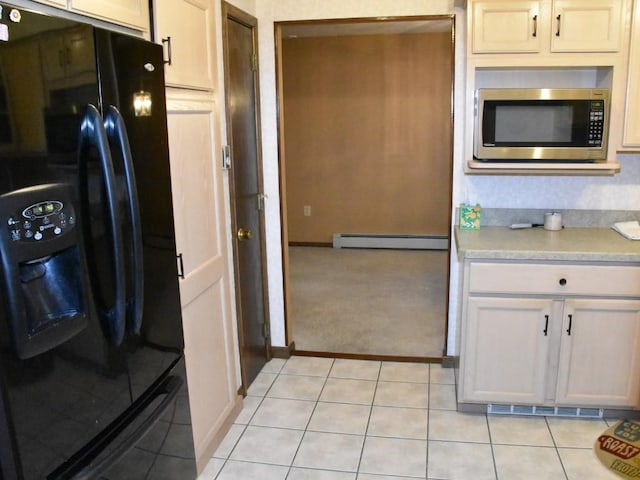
<point x="617" y="192"/>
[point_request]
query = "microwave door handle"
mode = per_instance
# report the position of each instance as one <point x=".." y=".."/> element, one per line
<point x="92" y="133"/>
<point x="117" y="133"/>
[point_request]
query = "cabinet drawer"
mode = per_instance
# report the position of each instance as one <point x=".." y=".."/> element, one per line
<point x="526" y="278"/>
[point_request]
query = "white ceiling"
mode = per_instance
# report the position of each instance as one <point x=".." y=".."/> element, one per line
<point x="381" y="26"/>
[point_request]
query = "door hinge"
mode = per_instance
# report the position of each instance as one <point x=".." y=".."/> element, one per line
<point x="254" y="62"/>
<point x="265" y="330"/>
<point x="260" y="199"/>
<point x="226" y="157"/>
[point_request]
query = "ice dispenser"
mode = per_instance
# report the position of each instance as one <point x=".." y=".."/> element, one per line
<point x="43" y="267"/>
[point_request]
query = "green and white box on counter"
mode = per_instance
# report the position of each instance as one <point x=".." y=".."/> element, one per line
<point x="470" y="216"/>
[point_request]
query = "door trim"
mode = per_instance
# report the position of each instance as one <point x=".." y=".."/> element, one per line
<point x="289" y="339"/>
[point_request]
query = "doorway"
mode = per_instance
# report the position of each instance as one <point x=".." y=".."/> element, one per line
<point x="365" y="121"/>
<point x="246" y="189"/>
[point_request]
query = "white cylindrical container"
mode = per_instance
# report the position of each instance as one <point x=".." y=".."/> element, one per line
<point x="553" y="221"/>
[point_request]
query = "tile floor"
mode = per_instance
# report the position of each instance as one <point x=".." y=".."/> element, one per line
<point x="312" y="418"/>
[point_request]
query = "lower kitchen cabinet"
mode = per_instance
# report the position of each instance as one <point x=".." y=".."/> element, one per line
<point x="599" y="353"/>
<point x="505" y="352"/>
<point x="541" y="335"/>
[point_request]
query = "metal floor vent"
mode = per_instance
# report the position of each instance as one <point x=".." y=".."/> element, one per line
<point x="577" y="412"/>
<point x="410" y="242"/>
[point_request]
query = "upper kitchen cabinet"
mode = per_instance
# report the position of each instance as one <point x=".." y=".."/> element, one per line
<point x="128" y="13"/>
<point x="631" y="134"/>
<point x="186" y="28"/>
<point x="499" y="26"/>
<point x="542" y="26"/>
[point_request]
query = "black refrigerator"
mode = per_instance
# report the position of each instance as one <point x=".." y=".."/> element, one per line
<point x="92" y="376"/>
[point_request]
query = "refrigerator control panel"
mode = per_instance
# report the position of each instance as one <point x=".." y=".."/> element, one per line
<point x="41" y="221"/>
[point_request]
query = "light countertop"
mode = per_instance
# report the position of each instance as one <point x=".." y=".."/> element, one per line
<point x="568" y="244"/>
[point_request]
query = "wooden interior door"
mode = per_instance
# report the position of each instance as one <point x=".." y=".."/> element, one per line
<point x="247" y="198"/>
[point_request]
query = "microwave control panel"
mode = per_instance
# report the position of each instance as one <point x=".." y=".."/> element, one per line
<point x="596" y="122"/>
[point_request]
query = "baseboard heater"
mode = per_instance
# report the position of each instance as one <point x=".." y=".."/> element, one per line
<point x="410" y="242"/>
<point x="535" y="410"/>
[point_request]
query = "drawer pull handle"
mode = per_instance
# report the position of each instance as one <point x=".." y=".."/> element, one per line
<point x="563" y="281"/>
<point x="570" y="322"/>
<point x="546" y="325"/>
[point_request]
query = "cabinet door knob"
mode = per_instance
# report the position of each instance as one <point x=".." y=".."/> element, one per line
<point x="563" y="281"/>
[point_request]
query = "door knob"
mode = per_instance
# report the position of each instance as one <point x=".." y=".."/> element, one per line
<point x="244" y="234"/>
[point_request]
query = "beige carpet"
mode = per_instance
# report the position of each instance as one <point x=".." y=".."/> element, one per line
<point x="376" y="302"/>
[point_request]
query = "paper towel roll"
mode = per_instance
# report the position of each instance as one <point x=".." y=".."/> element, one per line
<point x="553" y="221"/>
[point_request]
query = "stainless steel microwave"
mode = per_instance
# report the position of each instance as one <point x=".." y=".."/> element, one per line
<point x="541" y="124"/>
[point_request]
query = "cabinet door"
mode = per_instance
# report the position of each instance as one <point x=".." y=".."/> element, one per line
<point x="586" y="25"/>
<point x="632" y="114"/>
<point x="205" y="290"/>
<point x="57" y="3"/>
<point x="505" y="345"/>
<point x="509" y="26"/>
<point x="132" y="13"/>
<point x="600" y="353"/>
<point x="186" y="28"/>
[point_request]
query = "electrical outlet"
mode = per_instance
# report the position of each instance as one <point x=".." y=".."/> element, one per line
<point x="307" y="210"/>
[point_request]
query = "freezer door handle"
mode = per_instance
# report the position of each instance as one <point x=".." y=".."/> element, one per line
<point x="169" y="387"/>
<point x="93" y="134"/>
<point x="117" y="134"/>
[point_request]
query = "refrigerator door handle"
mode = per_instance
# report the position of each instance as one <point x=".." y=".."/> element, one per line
<point x="92" y="133"/>
<point x="117" y="133"/>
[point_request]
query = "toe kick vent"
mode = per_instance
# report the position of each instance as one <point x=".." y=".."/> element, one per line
<point x="542" y="411"/>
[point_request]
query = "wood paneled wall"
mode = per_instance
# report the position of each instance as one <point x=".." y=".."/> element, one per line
<point x="367" y="129"/>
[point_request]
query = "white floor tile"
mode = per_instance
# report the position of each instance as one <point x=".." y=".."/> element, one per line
<point x="399" y="394"/>
<point x="312" y="474"/>
<point x="459" y="461"/>
<point x="442" y="375"/>
<point x="340" y="418"/>
<point x="399" y="422"/>
<point x="229" y="442"/>
<point x="458" y="427"/>
<point x="274" y="365"/>
<point x="404" y="372"/>
<point x="582" y="464"/>
<point x="527" y="463"/>
<point x="212" y="469"/>
<point x="329" y="451"/>
<point x="276" y="446"/>
<point x="249" y="406"/>
<point x="394" y="456"/>
<point x="306" y="419"/>
<point x="343" y="390"/>
<point x="366" y="476"/>
<point x="531" y="431"/>
<point x="261" y="384"/>
<point x="234" y="470"/>
<point x="296" y="387"/>
<point x="310" y="366"/>
<point x="283" y="413"/>
<point x="355" y="369"/>
<point x="442" y="397"/>
<point x="576" y="433"/>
